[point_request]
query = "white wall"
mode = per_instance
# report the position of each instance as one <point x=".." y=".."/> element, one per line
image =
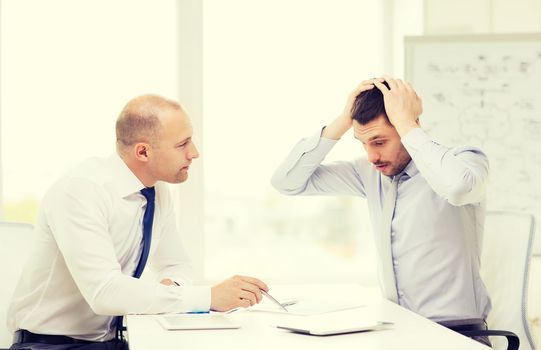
<point x="68" y="68"/>
<point x="407" y="19"/>
<point x="481" y="16"/>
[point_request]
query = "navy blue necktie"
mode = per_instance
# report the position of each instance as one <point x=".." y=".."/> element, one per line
<point x="148" y="219"/>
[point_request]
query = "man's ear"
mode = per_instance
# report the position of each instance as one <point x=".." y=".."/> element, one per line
<point x="142" y="151"/>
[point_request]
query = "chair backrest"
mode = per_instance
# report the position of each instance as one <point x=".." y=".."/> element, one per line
<point x="15" y="241"/>
<point x="505" y="266"/>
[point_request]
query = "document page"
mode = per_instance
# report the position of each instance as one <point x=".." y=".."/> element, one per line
<point x="305" y="307"/>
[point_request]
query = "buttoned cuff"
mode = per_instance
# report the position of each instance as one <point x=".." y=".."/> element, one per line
<point x="316" y="149"/>
<point x="323" y="144"/>
<point x="326" y="144"/>
<point x="197" y="298"/>
<point x="313" y="150"/>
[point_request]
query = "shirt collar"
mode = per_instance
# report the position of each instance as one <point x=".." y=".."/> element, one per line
<point x="410" y="169"/>
<point x="123" y="179"/>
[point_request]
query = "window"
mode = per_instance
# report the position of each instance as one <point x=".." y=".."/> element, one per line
<point x="67" y="69"/>
<point x="276" y="71"/>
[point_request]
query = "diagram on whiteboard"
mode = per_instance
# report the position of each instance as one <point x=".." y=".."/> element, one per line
<point x="487" y="94"/>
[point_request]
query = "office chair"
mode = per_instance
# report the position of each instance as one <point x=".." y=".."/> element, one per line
<point x="505" y="266"/>
<point x="15" y="240"/>
<point x="534" y="291"/>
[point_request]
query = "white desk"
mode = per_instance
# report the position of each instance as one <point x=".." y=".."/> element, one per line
<point x="410" y="331"/>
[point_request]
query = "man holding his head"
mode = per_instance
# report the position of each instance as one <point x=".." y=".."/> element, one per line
<point x="426" y="201"/>
<point x="99" y="224"/>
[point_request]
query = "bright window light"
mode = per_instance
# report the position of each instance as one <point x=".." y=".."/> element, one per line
<point x="276" y="71"/>
<point x="67" y="69"/>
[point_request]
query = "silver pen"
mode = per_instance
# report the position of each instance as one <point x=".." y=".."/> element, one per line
<point x="273" y="300"/>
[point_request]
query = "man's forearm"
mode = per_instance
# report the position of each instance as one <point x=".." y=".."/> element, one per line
<point x="337" y="128"/>
<point x="458" y="175"/>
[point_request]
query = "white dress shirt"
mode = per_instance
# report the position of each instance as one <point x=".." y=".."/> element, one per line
<point x="87" y="245"/>
<point x="437" y="228"/>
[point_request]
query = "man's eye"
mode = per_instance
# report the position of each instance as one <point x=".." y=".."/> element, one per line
<point x="379" y="143"/>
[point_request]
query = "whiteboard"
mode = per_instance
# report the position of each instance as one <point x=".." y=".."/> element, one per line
<point x="485" y="91"/>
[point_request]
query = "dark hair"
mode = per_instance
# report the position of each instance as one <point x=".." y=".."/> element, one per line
<point x="369" y="105"/>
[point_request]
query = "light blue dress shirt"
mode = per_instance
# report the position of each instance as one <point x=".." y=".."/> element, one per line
<point x="437" y="228"/>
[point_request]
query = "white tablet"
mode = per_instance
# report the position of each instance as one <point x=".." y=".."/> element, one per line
<point x="197" y="321"/>
<point x="330" y="329"/>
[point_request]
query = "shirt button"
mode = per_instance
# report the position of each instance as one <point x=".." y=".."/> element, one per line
<point x="400" y="293"/>
<point x="395" y="262"/>
<point x="393" y="233"/>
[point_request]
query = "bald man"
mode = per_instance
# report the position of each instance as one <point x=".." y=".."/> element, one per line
<point x="100" y="224"/>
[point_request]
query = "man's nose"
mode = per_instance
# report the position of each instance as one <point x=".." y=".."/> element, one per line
<point x="193" y="152"/>
<point x="373" y="157"/>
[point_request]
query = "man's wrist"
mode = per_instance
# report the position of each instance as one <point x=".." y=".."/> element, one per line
<point x="404" y="129"/>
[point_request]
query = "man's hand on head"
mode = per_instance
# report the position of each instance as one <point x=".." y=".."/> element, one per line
<point x="237" y="291"/>
<point x="402" y="105"/>
<point x="363" y="86"/>
<point x="344" y="121"/>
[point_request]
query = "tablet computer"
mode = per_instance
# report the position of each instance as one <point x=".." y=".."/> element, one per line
<point x="197" y="321"/>
<point x="330" y="329"/>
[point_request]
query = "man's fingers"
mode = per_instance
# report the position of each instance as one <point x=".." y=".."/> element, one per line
<point x="248" y="296"/>
<point x="370" y="82"/>
<point x="252" y="285"/>
<point x="251" y="288"/>
<point x="237" y="291"/>
<point x="409" y="88"/>
<point x="384" y="90"/>
<point x="401" y="85"/>
<point x="245" y="303"/>
<point x="367" y="84"/>
<point x="392" y="83"/>
<point x="260" y="284"/>
<point x="411" y="91"/>
<point x="364" y="86"/>
<point x="360" y="88"/>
